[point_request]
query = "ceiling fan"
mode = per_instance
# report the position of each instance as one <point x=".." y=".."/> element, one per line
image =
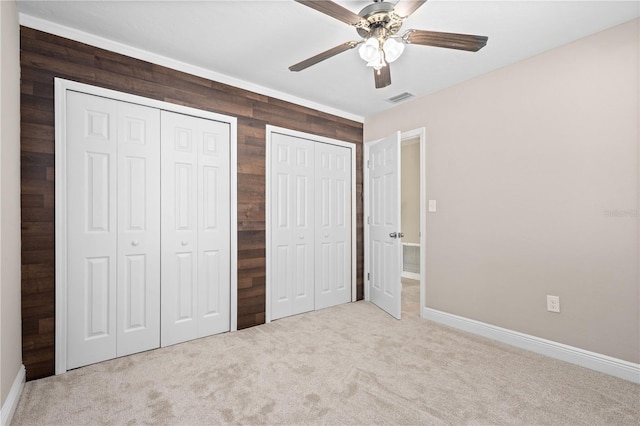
<point x="378" y="24"/>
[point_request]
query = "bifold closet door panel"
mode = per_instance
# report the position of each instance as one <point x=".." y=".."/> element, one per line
<point x="113" y="223"/>
<point x="195" y="228"/>
<point x="179" y="169"/>
<point x="138" y="300"/>
<point x="292" y="226"/>
<point x="333" y="225"/>
<point x="214" y="228"/>
<point x="91" y="137"/>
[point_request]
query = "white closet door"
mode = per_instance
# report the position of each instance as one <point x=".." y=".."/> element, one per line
<point x="292" y="226"/>
<point x="214" y="235"/>
<point x="92" y="229"/>
<point x="179" y="218"/>
<point x="113" y="252"/>
<point x="333" y="225"/>
<point x="195" y="228"/>
<point x="138" y="300"/>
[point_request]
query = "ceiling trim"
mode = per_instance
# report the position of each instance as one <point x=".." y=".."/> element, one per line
<point x="117" y="47"/>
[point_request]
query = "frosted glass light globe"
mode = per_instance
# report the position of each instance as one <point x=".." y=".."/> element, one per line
<point x="370" y="50"/>
<point x="392" y="49"/>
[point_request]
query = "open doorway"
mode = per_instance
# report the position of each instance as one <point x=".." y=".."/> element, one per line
<point x="412" y="177"/>
<point x="383" y="229"/>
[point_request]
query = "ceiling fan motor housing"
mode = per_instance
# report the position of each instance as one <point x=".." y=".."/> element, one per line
<point x="381" y="19"/>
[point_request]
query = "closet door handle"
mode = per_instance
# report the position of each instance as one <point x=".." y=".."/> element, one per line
<point x="135" y="242"/>
<point x="184" y="242"/>
<point x="301" y="237"/>
<point x="326" y="235"/>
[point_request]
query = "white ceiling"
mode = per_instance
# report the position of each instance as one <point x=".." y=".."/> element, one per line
<point x="256" y="41"/>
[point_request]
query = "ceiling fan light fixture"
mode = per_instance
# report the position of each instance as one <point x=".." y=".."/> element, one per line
<point x="378" y="24"/>
<point x="378" y="62"/>
<point x="392" y="49"/>
<point x="370" y="50"/>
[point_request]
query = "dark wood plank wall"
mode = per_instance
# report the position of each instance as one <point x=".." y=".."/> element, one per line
<point x="45" y="56"/>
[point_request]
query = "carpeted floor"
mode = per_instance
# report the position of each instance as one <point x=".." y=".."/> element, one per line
<point x="351" y="364"/>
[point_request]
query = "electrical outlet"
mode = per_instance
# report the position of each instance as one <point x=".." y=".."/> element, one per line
<point x="553" y="303"/>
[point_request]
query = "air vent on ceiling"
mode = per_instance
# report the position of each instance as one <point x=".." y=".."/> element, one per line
<point x="401" y="97"/>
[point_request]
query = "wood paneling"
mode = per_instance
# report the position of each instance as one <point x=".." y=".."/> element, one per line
<point x="45" y="56"/>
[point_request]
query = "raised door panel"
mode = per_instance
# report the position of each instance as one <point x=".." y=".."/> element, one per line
<point x="179" y="228"/>
<point x="303" y="232"/>
<point x="333" y="225"/>
<point x="282" y="227"/>
<point x="292" y="230"/>
<point x="138" y="304"/>
<point x="92" y="229"/>
<point x="214" y="275"/>
<point x="377" y="222"/>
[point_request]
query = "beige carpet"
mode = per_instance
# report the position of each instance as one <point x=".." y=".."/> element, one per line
<point x="352" y="364"/>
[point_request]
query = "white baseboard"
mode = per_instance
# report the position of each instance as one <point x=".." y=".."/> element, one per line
<point x="11" y="403"/>
<point x="592" y="360"/>
<point x="410" y="275"/>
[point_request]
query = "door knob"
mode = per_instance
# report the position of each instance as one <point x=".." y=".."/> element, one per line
<point x="326" y="235"/>
<point x="184" y="242"/>
<point x="301" y="237"/>
<point x="393" y="235"/>
<point x="135" y="242"/>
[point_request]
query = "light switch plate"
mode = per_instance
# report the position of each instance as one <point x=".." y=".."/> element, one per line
<point x="432" y="205"/>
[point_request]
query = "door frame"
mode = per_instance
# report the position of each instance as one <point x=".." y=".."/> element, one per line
<point x="60" y="98"/>
<point x="270" y="130"/>
<point x="420" y="134"/>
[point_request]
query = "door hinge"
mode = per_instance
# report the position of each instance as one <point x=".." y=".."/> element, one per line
<point x="368" y="276"/>
<point x="368" y="220"/>
<point x="368" y="164"/>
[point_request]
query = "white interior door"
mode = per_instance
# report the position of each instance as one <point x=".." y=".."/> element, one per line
<point x="385" y="248"/>
<point x="138" y="300"/>
<point x="195" y="228"/>
<point x="113" y="261"/>
<point x="214" y="234"/>
<point x="179" y="218"/>
<point x="92" y="229"/>
<point x="333" y="225"/>
<point x="292" y="226"/>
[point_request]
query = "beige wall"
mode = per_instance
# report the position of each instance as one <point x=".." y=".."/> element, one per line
<point x="10" y="322"/>
<point x="410" y="199"/>
<point x="535" y="171"/>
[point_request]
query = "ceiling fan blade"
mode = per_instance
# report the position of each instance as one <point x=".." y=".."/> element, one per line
<point x="471" y="43"/>
<point x="334" y="10"/>
<point x="405" y="8"/>
<point x="324" y="55"/>
<point x="382" y="77"/>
